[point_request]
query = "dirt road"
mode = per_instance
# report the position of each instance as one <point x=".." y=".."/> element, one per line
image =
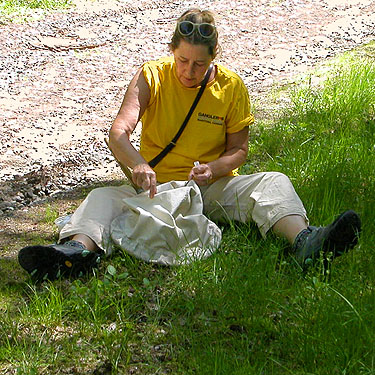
<point x="63" y="74"/>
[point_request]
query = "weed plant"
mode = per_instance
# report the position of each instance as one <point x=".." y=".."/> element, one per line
<point x="248" y="309"/>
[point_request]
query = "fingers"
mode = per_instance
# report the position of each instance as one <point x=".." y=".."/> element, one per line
<point x="145" y="177"/>
<point x="153" y="189"/>
<point x="201" y="174"/>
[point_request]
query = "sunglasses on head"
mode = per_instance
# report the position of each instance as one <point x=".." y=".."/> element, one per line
<point x="205" y="30"/>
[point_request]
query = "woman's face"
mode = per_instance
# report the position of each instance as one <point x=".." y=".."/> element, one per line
<point x="192" y="62"/>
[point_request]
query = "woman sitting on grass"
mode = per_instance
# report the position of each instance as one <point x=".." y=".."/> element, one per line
<point x="160" y="94"/>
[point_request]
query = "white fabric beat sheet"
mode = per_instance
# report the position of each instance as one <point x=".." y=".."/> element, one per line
<point x="169" y="229"/>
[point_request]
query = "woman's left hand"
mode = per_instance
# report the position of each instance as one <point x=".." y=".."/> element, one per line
<point x="201" y="174"/>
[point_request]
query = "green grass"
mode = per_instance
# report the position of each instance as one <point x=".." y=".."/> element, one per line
<point x="248" y="309"/>
<point x="33" y="4"/>
<point x="22" y="10"/>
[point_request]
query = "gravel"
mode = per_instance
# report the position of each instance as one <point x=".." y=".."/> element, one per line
<point x="63" y="74"/>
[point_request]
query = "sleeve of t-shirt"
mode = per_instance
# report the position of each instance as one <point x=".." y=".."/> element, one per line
<point x="150" y="73"/>
<point x="239" y="115"/>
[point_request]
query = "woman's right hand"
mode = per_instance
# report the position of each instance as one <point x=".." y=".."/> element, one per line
<point x="145" y="177"/>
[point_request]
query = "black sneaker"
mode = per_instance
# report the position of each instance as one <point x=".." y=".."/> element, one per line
<point x="53" y="261"/>
<point x="337" y="238"/>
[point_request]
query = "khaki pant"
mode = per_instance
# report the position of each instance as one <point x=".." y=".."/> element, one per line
<point x="263" y="198"/>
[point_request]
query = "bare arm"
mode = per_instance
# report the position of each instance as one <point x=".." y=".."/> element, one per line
<point x="132" y="109"/>
<point x="235" y="154"/>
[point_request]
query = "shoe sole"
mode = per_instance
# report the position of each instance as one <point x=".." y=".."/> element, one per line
<point x="45" y="262"/>
<point x="342" y="234"/>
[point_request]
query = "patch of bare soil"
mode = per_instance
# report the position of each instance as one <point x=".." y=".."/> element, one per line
<point x="63" y="76"/>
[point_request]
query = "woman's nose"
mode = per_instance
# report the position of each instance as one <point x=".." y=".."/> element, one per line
<point x="190" y="70"/>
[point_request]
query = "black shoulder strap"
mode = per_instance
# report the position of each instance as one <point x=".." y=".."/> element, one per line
<point x="172" y="143"/>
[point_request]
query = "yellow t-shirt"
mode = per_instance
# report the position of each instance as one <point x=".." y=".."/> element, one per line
<point x="223" y="108"/>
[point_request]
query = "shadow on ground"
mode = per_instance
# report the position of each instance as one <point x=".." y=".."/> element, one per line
<point x="35" y="222"/>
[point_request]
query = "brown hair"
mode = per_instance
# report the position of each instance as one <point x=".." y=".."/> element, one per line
<point x="196" y="15"/>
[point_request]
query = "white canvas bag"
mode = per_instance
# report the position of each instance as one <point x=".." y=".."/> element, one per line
<point x="169" y="229"/>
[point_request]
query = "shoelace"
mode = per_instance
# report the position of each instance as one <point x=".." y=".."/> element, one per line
<point x="77" y="244"/>
<point x="300" y="239"/>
